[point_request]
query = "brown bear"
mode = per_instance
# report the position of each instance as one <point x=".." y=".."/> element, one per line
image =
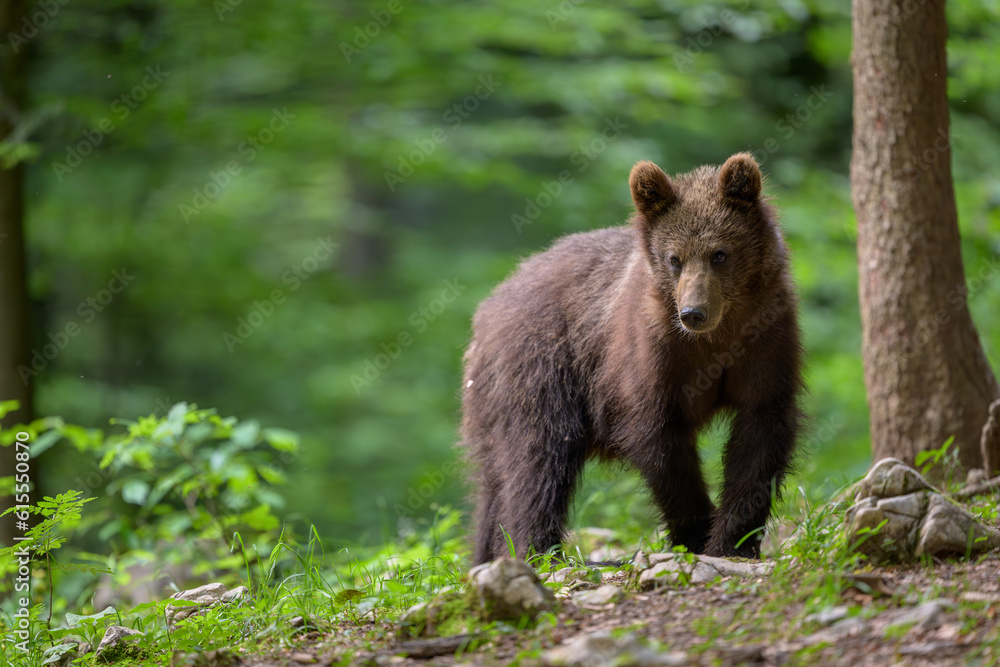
<point x="623" y="343"/>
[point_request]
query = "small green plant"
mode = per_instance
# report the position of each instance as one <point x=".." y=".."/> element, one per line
<point x="941" y="463"/>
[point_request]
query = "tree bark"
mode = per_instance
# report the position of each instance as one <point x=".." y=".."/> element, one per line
<point x="925" y="371"/>
<point x="14" y="322"/>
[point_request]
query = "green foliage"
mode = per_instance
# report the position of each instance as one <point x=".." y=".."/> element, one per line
<point x="942" y="462"/>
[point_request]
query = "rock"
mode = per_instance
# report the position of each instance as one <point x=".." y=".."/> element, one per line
<point x="212" y="592"/>
<point x="926" y="616"/>
<point x="743" y="569"/>
<point x="980" y="596"/>
<point x="508" y="589"/>
<point x="115" y="647"/>
<point x="597" y="534"/>
<point x="600" y="649"/>
<point x="890" y="478"/>
<point x="206" y="596"/>
<point x="599" y="597"/>
<point x="844" y="628"/>
<point x="425" y="619"/>
<point x="667" y="573"/>
<point x="926" y="649"/>
<point x="608" y="553"/>
<point x="975" y="476"/>
<point x="303" y="657"/>
<point x="567" y="574"/>
<point x="235" y="595"/>
<point x="886" y="529"/>
<point x="669" y="570"/>
<point x="828" y="616"/>
<point x="949" y="529"/>
<point x="907" y="527"/>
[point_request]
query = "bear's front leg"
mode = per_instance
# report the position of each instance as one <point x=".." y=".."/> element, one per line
<point x="672" y="469"/>
<point x="755" y="462"/>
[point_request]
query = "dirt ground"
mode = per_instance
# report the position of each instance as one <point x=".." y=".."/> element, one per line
<point x="726" y="624"/>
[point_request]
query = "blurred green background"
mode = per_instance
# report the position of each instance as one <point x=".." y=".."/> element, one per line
<point x="293" y="189"/>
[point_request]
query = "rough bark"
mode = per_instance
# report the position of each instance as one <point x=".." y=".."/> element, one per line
<point x="925" y="371"/>
<point x="14" y="331"/>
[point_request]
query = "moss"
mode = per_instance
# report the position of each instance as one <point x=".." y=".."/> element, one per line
<point x="450" y="612"/>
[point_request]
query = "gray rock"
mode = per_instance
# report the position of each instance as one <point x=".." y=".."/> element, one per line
<point x="206" y="596"/>
<point x="235" y="595"/>
<point x="975" y="476"/>
<point x="600" y="649"/>
<point x="212" y="592"/>
<point x="665" y="573"/>
<point x="889" y="478"/>
<point x="886" y="529"/>
<point x="732" y="568"/>
<point x="668" y="569"/>
<point x="906" y="527"/>
<point x="828" y="616"/>
<point x="926" y="616"/>
<point x="598" y="597"/>
<point x="113" y="646"/>
<point x="608" y="552"/>
<point x="844" y="628"/>
<point x="925" y="649"/>
<point x="949" y="529"/>
<point x="567" y="574"/>
<point x="508" y="589"/>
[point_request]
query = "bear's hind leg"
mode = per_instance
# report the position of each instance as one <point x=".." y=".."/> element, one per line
<point x="537" y="495"/>
<point x="487" y="526"/>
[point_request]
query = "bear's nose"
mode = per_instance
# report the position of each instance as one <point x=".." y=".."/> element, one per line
<point x="693" y="316"/>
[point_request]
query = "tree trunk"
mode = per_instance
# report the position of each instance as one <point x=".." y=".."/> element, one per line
<point x="14" y="331"/>
<point x="925" y="371"/>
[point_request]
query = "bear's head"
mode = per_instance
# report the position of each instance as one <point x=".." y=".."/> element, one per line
<point x="711" y="241"/>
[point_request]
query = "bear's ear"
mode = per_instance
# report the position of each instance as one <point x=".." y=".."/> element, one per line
<point x="652" y="190"/>
<point x="739" y="179"/>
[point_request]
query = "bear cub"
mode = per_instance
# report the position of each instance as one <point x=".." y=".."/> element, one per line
<point x="623" y="343"/>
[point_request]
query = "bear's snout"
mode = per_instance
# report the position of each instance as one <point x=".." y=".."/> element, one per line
<point x="694" y="317"/>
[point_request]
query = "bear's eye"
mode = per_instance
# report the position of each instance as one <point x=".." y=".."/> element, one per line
<point x="719" y="257"/>
<point x="675" y="262"/>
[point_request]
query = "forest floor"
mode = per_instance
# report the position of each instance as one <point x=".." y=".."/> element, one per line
<point x="943" y="613"/>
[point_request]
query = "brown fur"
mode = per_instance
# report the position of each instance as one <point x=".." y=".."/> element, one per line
<point x="583" y="352"/>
